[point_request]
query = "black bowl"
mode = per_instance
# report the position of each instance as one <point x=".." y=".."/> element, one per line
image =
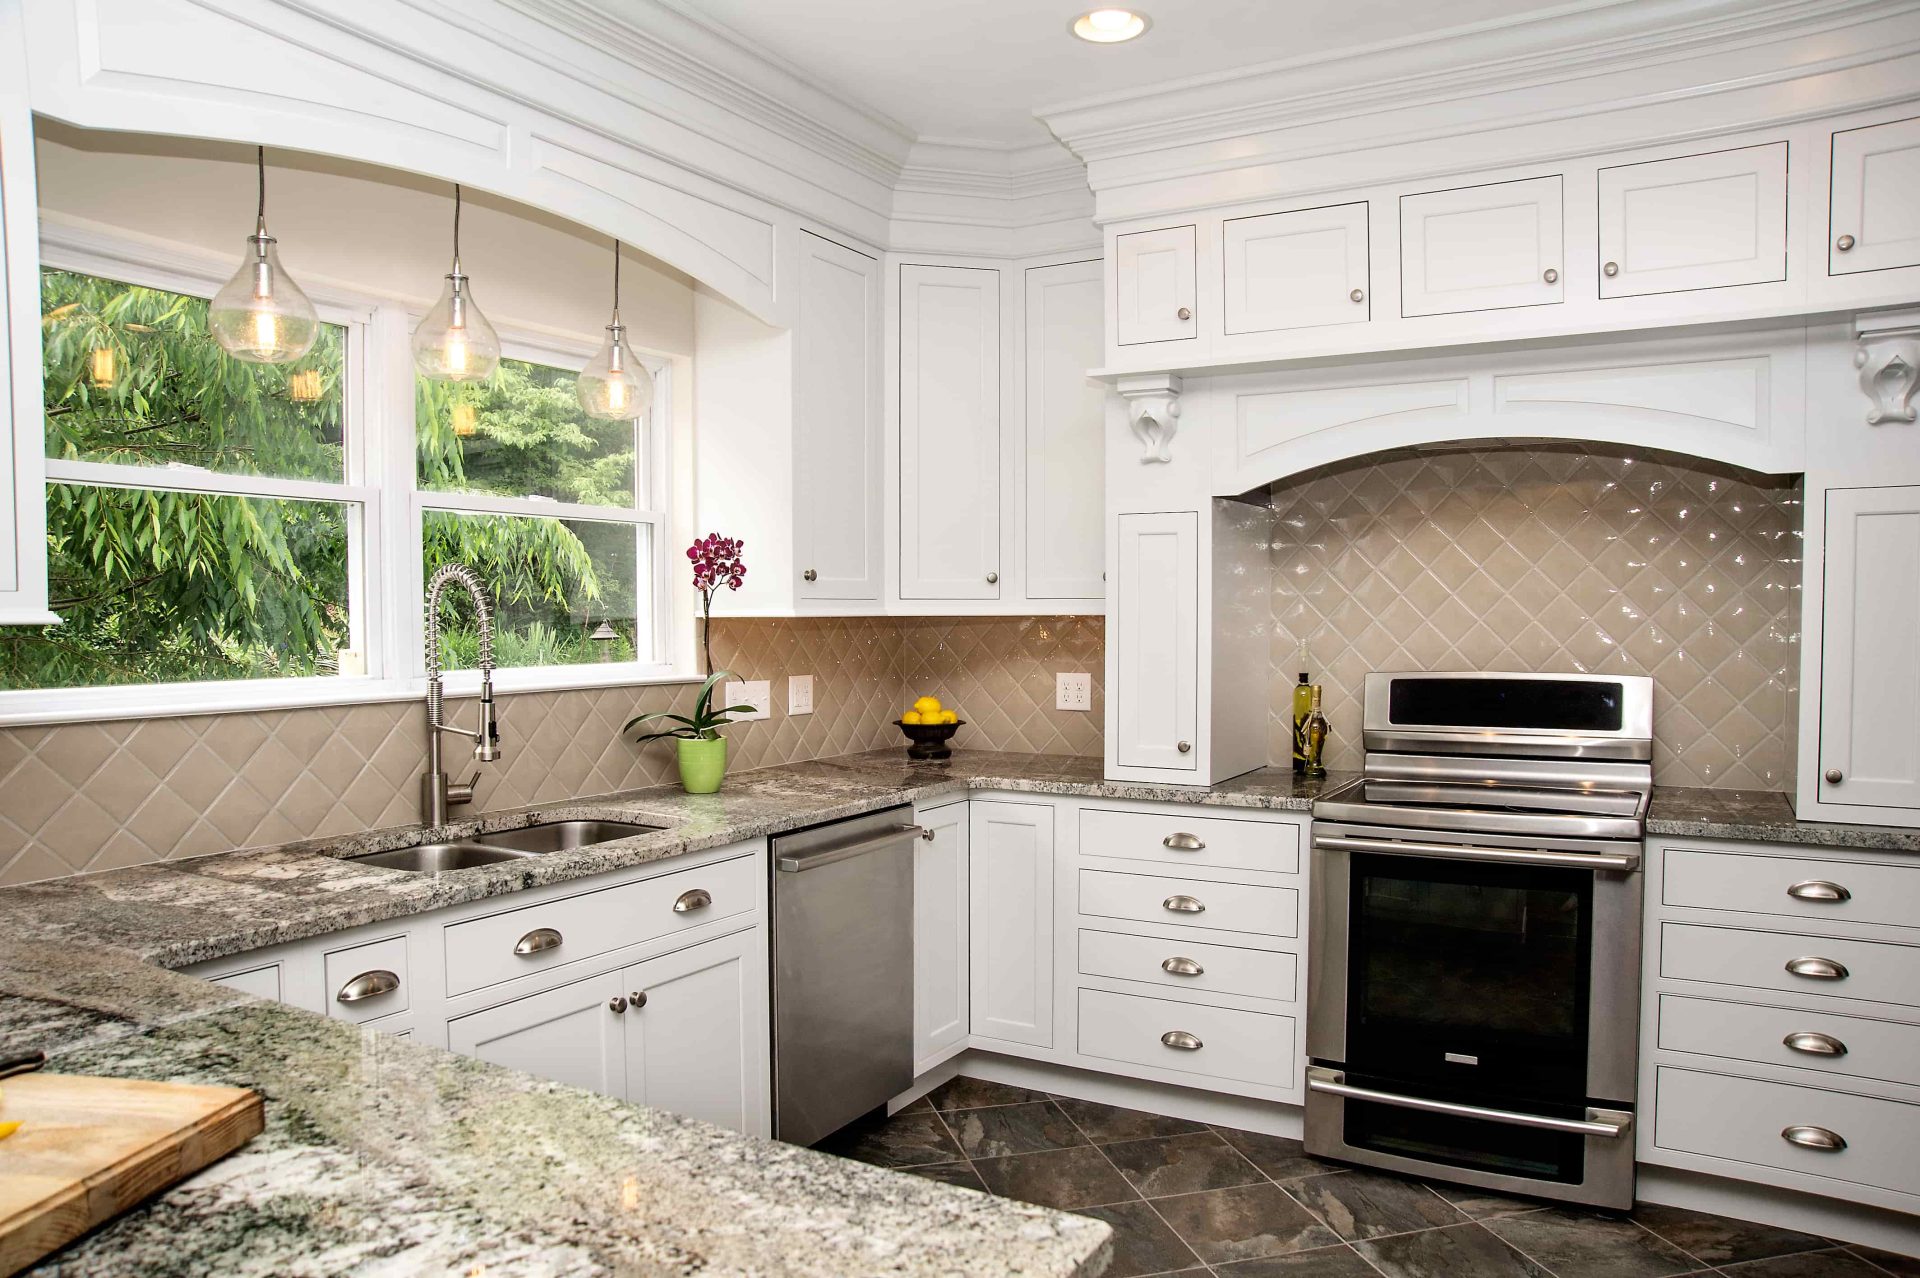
<point x="929" y="739"/>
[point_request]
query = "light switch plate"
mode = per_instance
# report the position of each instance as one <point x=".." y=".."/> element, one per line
<point x="799" y="694"/>
<point x="757" y="693"/>
<point x="1073" y="692"/>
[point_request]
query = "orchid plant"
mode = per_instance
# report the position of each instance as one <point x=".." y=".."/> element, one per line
<point x="703" y="724"/>
<point x="716" y="563"/>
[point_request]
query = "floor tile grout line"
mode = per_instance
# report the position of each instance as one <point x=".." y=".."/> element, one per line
<point x="1519" y="1250"/>
<point x="1865" y="1260"/>
<point x="1698" y="1260"/>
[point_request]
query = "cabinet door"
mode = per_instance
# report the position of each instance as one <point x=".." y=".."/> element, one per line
<point x="1154" y="286"/>
<point x="573" y="1035"/>
<point x="949" y="433"/>
<point x="1010" y="890"/>
<point x="940" y="937"/>
<point x="1156" y="608"/>
<point x="836" y="444"/>
<point x="1869" y="676"/>
<point x="1481" y="248"/>
<point x="1876" y="198"/>
<point x="697" y="1033"/>
<point x="1298" y="269"/>
<point x="23" y="498"/>
<point x="1698" y="221"/>
<point x="1064" y="423"/>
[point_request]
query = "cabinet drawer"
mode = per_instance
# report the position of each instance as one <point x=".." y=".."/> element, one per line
<point x="482" y="953"/>
<point x="1858" y="1046"/>
<point x="1742" y="1119"/>
<point x="1248" y="1047"/>
<point x="1223" y="969"/>
<point x="1231" y="907"/>
<point x="1149" y="836"/>
<point x="1874" y="970"/>
<point x="1887" y="894"/>
<point x="367" y="981"/>
<point x="261" y="982"/>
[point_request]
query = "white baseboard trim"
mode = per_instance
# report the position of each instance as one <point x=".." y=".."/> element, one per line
<point x="1783" y="1208"/>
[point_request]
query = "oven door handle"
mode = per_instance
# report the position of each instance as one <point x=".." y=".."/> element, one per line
<point x="1579" y="1127"/>
<point x="1624" y="862"/>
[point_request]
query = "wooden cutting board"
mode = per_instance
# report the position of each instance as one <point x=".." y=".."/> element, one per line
<point x="90" y="1148"/>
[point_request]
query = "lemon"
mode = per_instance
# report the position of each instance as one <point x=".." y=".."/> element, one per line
<point x="913" y="716"/>
<point x="8" y="1129"/>
<point x="948" y="716"/>
<point x="927" y="706"/>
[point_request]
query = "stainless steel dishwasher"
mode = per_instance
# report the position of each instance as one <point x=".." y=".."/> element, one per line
<point x="842" y="971"/>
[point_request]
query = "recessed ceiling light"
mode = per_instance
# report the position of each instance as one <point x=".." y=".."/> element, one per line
<point x="1110" y="26"/>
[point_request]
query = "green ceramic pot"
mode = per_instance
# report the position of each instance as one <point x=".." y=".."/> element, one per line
<point x="703" y="764"/>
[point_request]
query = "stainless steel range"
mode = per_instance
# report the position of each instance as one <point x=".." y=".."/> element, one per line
<point x="1475" y="949"/>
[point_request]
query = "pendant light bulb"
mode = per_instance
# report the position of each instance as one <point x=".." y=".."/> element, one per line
<point x="454" y="342"/>
<point x="261" y="316"/>
<point x="615" y="386"/>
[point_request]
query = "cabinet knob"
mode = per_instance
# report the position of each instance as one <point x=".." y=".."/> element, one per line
<point x="1181" y="1041"/>
<point x="1182" y="967"/>
<point x="1835" y="776"/>
<point x="993" y="579"/>
<point x="1184" y="904"/>
<point x="689" y="901"/>
<point x="616" y="1005"/>
<point x="928" y="833"/>
<point x="1818" y="890"/>
<point x="1550" y="275"/>
<point x="1357" y="295"/>
<point x="1817" y="969"/>
<point x="1610" y="270"/>
<point x="1181" y="841"/>
<point x="1814" y="1044"/>
<point x="810" y="575"/>
<point x="368" y="985"/>
<point x="1820" y="1138"/>
<point x="1184" y="747"/>
<point x="1184" y="313"/>
<point x="541" y="938"/>
<point x="1844" y="243"/>
<point x="637" y="1000"/>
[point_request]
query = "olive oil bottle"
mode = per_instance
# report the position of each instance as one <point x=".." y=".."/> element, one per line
<point x="1302" y="707"/>
<point x="1314" y="736"/>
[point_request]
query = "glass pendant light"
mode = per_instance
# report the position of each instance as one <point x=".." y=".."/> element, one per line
<point x="455" y="343"/>
<point x="261" y="316"/>
<point x="614" y="385"/>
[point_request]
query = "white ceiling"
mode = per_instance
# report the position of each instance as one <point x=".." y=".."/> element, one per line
<point x="975" y="71"/>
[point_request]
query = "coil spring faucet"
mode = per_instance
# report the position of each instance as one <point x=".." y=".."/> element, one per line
<point x="437" y="794"/>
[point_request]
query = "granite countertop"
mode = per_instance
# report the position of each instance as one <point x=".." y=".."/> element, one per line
<point x="1762" y="816"/>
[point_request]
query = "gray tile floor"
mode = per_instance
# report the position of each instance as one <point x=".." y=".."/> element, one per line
<point x="1185" y="1198"/>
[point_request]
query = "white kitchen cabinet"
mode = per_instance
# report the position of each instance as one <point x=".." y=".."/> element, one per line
<point x="1869" y="680"/>
<point x="574" y="1034"/>
<point x="1696" y="221"/>
<point x="1156" y="614"/>
<point x="23" y="538"/>
<point x="696" y="1029"/>
<point x="1154" y="294"/>
<point x="1010" y="893"/>
<point x="1298" y="269"/>
<point x="837" y="423"/>
<point x="1875" y="213"/>
<point x="949" y="432"/>
<point x="1063" y="419"/>
<point x="1480" y="248"/>
<point x="940" y="924"/>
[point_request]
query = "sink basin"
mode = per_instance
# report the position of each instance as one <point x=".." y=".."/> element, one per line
<point x="560" y="836"/>
<point x="431" y="858"/>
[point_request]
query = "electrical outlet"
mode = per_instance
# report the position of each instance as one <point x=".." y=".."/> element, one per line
<point x="1073" y="692"/>
<point x="799" y="694"/>
<point x="757" y="693"/>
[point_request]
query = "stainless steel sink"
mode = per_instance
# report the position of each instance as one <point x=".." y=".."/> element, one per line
<point x="432" y="858"/>
<point x="560" y="836"/>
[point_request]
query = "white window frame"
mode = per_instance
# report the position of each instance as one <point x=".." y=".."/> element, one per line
<point x="379" y="490"/>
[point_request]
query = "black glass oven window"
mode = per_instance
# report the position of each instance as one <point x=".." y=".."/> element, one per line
<point x="1471" y="1143"/>
<point x="1559" y="705"/>
<point x="1470" y="976"/>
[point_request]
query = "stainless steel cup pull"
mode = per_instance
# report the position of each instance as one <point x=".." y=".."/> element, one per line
<point x="1818" y="890"/>
<point x="541" y="938"/>
<point x="1182" y="966"/>
<point x="368" y="985"/>
<point x="691" y="900"/>
<point x="1816" y="968"/>
<point x="1820" y="1138"/>
<point x="1814" y="1044"/>
<point x="637" y="1000"/>
<point x="1183" y="904"/>
<point x="1182" y="1041"/>
<point x="1183" y="842"/>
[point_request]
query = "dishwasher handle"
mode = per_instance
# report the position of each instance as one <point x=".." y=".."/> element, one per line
<point x="845" y="851"/>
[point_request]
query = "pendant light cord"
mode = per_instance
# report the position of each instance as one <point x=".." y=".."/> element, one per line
<point x="261" y="160"/>
<point x="456" y="228"/>
<point x="616" y="281"/>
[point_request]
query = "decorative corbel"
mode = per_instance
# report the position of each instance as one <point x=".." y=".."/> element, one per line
<point x="1887" y="353"/>
<point x="1153" y="410"/>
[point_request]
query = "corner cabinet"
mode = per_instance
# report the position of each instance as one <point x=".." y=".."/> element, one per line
<point x="23" y="537"/>
<point x="1876" y="198"/>
<point x="837" y="424"/>
<point x="1062" y="417"/>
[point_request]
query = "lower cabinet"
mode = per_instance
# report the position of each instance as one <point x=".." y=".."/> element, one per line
<point x="572" y="1035"/>
<point x="695" y="1032"/>
<point x="1010" y="890"/>
<point x="940" y="936"/>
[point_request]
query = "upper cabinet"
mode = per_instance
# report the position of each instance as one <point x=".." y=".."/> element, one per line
<point x="1157" y="634"/>
<point x="1695" y="221"/>
<point x="837" y="424"/>
<point x="1062" y="420"/>
<point x="1154" y="286"/>
<point x="1480" y="248"/>
<point x="1295" y="269"/>
<point x="1876" y="198"/>
<point x="23" y="547"/>
<point x="949" y="432"/>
